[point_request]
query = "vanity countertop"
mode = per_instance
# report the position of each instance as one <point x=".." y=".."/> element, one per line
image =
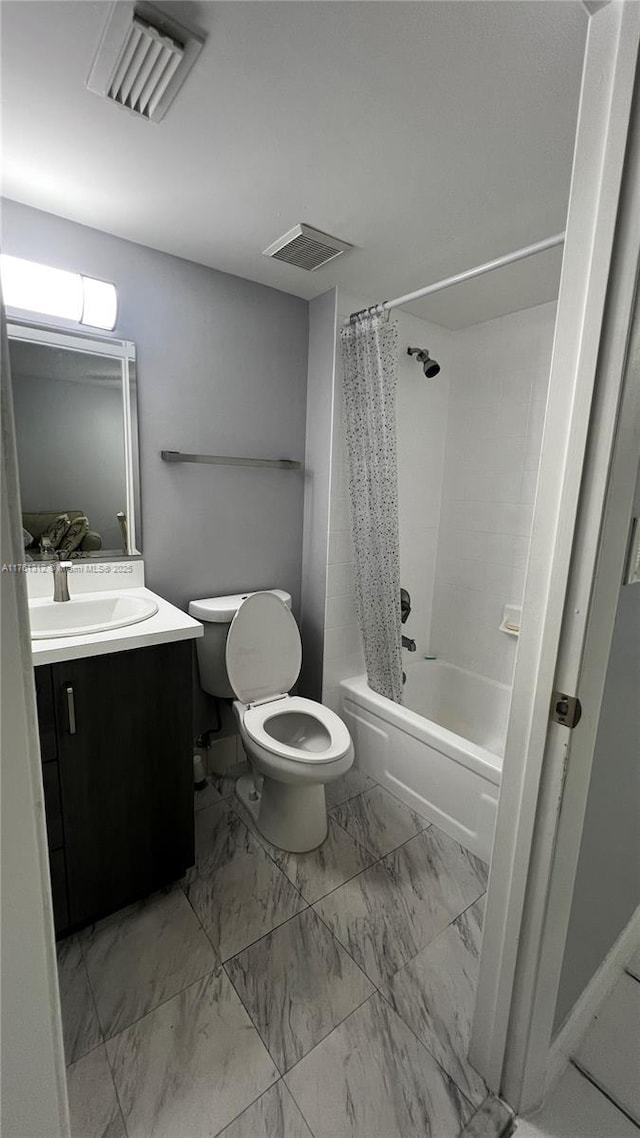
<point x="167" y="624"/>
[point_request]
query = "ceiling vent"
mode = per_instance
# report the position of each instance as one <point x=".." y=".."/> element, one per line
<point x="307" y="248"/>
<point x="143" y="59"/>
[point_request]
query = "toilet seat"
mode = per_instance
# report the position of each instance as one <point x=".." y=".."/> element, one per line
<point x="263" y="656"/>
<point x="256" y="723"/>
<point x="263" y="652"/>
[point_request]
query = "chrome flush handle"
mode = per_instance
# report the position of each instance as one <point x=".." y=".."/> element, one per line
<point x="71" y="709"/>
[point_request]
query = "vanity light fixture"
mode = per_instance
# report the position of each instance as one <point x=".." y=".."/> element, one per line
<point x="56" y="292"/>
<point x="100" y="303"/>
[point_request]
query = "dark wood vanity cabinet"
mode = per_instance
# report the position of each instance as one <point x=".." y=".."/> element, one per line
<point x="116" y="743"/>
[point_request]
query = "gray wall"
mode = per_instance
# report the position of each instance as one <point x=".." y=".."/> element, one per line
<point x="607" y="888"/>
<point x="222" y="369"/>
<point x="322" y="346"/>
<point x="71" y="450"/>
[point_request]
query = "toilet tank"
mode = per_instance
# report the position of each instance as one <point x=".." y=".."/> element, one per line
<point x="216" y="614"/>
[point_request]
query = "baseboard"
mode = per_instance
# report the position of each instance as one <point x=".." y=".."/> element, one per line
<point x="602" y="983"/>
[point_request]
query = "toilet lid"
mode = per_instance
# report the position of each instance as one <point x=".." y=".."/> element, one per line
<point x="263" y="651"/>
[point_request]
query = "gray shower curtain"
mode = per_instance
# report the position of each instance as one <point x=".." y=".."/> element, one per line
<point x="370" y="376"/>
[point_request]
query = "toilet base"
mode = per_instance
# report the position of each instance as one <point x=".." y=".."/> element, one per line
<point x="291" y="817"/>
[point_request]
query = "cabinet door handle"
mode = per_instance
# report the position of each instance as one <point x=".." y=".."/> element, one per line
<point x="71" y="709"/>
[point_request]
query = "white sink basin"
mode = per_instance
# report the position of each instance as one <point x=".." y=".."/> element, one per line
<point x="82" y="616"/>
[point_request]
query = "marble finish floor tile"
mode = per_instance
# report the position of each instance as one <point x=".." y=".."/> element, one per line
<point x="249" y="821"/>
<point x="241" y="896"/>
<point x="493" y="1119"/>
<point x="297" y="984"/>
<point x="80" y="1027"/>
<point x="324" y="869"/>
<point x="347" y="786"/>
<point x="143" y="956"/>
<point x="371" y="1078"/>
<point x="387" y="914"/>
<point x="610" y="1049"/>
<point x="435" y="996"/>
<point x="321" y="870"/>
<point x="371" y="919"/>
<point x="436" y="872"/>
<point x="220" y="836"/>
<point x="225" y="784"/>
<point x="273" y="1115"/>
<point x="94" y="1111"/>
<point x="191" y="1066"/>
<point x="633" y="967"/>
<point x="206" y="795"/>
<point x="378" y="821"/>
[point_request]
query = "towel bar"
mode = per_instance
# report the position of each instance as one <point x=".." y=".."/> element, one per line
<point x="225" y="460"/>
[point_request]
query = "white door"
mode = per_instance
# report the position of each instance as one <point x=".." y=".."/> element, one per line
<point x="524" y="934"/>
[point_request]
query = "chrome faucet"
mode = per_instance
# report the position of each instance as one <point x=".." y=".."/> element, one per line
<point x="407" y="643"/>
<point x="60" y="582"/>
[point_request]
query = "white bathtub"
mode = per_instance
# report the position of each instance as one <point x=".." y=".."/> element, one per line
<point x="442" y="751"/>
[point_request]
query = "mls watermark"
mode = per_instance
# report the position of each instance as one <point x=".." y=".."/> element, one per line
<point x="45" y="567"/>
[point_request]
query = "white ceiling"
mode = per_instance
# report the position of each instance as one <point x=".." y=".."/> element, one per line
<point x="432" y="136"/>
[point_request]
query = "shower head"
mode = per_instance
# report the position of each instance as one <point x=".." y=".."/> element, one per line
<point x="429" y="366"/>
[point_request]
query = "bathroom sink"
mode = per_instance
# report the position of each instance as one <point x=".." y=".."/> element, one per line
<point x="82" y="616"/>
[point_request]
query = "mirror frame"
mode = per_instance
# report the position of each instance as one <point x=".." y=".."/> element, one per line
<point x="125" y="351"/>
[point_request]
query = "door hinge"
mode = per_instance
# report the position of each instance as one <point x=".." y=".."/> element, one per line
<point x="566" y="709"/>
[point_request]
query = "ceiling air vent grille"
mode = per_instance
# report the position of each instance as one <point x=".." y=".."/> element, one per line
<point x="306" y="248"/>
<point x="143" y="59"/>
<point x="147" y="65"/>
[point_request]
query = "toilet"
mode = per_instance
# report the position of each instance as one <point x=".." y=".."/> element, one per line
<point x="251" y="652"/>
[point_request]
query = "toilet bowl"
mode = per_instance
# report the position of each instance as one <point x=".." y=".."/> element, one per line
<point x="297" y="746"/>
<point x="294" y="745"/>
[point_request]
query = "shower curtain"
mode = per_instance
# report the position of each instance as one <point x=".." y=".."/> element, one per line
<point x="370" y="375"/>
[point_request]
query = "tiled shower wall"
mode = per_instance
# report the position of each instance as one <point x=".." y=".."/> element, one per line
<point x="421" y="416"/>
<point x="468" y="453"/>
<point x="496" y="412"/>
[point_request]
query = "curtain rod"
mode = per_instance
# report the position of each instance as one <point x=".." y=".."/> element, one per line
<point x="459" y="278"/>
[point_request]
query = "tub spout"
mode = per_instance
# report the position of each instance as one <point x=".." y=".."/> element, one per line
<point x="409" y="644"/>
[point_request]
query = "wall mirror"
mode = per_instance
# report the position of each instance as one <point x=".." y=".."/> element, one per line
<point x="75" y="410"/>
